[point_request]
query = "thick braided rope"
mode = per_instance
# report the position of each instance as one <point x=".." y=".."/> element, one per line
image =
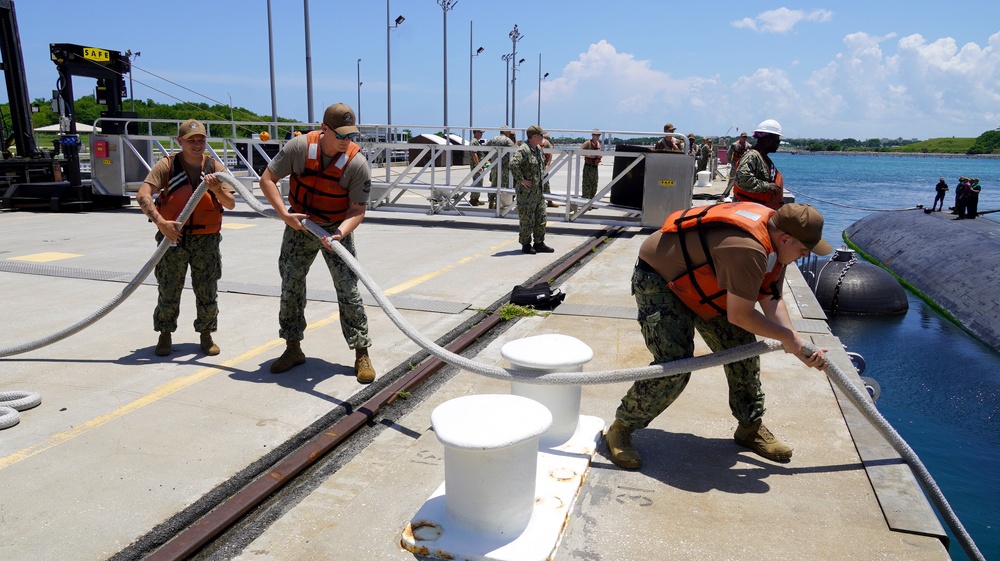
<point x="131" y="287"/>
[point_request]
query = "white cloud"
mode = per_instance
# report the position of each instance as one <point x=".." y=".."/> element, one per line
<point x="781" y="20"/>
<point x="610" y="88"/>
<point x="877" y="85"/>
<point x="937" y="83"/>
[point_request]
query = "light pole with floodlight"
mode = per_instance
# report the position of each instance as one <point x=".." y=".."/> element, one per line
<point x="359" y="90"/>
<point x="540" y="78"/>
<point x="515" y="36"/>
<point x="388" y="69"/>
<point x="506" y="86"/>
<point x="472" y="54"/>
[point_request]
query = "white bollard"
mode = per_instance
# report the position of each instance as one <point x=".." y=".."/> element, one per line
<point x="490" y="460"/>
<point x="551" y="353"/>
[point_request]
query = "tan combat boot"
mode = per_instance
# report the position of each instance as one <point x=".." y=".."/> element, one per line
<point x="756" y="437"/>
<point x="363" y="367"/>
<point x="619" y="440"/>
<point x="207" y="345"/>
<point x="292" y="357"/>
<point x="163" y="345"/>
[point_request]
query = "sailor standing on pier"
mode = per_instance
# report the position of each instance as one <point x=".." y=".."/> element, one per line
<point x="528" y="168"/>
<point x="330" y="185"/>
<point x="723" y="260"/>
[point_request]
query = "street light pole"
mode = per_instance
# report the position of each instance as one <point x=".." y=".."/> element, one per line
<point x="445" y="6"/>
<point x="232" y="123"/>
<point x="514" y="67"/>
<point x="506" y="87"/>
<point x="472" y="54"/>
<point x="538" y="121"/>
<point x="515" y="36"/>
<point x="359" y="90"/>
<point x="270" y="49"/>
<point x="131" y="92"/>
<point x="309" y="69"/>
<point x="388" y="70"/>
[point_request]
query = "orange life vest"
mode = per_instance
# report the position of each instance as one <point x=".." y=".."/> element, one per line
<point x="698" y="287"/>
<point x="769" y="198"/>
<point x="207" y="215"/>
<point x="317" y="191"/>
<point x="734" y="158"/>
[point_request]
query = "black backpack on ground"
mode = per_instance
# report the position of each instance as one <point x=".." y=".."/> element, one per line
<point x="540" y="296"/>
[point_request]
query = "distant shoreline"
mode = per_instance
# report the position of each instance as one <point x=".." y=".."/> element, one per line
<point x="894" y="154"/>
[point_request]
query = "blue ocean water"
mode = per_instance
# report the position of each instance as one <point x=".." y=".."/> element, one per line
<point x="940" y="386"/>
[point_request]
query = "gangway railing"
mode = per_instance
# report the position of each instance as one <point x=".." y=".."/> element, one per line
<point x="422" y="174"/>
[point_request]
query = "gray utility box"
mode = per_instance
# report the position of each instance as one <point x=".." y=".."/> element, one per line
<point x="668" y="186"/>
<point x="114" y="166"/>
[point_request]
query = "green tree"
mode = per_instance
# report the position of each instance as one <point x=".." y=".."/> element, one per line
<point x="986" y="143"/>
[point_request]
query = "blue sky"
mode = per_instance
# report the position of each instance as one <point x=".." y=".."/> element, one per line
<point x="823" y="70"/>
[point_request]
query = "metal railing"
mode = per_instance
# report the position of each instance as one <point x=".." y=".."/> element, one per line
<point x="424" y="174"/>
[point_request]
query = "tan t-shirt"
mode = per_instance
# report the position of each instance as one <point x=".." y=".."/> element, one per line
<point x="740" y="260"/>
<point x="357" y="179"/>
<point x="160" y="174"/>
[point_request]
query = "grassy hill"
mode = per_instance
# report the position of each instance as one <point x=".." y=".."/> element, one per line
<point x="938" y="146"/>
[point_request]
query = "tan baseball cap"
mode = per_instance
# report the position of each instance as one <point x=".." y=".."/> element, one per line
<point x="190" y="128"/>
<point x="533" y="130"/>
<point x="340" y="119"/>
<point x="669" y="127"/>
<point x="804" y="223"/>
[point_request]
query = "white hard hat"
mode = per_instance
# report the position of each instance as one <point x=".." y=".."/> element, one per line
<point x="770" y="126"/>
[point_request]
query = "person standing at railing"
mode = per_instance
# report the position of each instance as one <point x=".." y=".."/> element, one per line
<point x="477" y="140"/>
<point x="668" y="143"/>
<point x="528" y="169"/>
<point x="736" y="151"/>
<point x="590" y="164"/>
<point x="194" y="243"/>
<point x="330" y="185"/>
<point x="757" y="178"/>
<point x="504" y="139"/>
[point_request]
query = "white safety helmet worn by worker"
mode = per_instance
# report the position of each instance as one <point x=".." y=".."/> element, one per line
<point x="769" y="126"/>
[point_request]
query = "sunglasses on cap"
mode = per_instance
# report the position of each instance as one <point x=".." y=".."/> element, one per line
<point x="352" y="136"/>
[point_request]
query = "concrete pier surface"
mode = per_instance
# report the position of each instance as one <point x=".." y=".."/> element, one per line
<point x="125" y="443"/>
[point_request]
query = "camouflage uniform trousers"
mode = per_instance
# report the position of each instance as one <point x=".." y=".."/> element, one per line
<point x="474" y="196"/>
<point x="589" y="181"/>
<point x="668" y="330"/>
<point x="530" y="215"/>
<point x="201" y="252"/>
<point x="298" y="251"/>
<point x="494" y="179"/>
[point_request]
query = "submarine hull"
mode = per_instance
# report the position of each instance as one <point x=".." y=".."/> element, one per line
<point x="953" y="264"/>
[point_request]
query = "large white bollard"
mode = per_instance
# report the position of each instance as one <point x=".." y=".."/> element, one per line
<point x="551" y="353"/>
<point x="490" y="460"/>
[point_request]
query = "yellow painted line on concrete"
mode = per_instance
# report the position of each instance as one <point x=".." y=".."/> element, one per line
<point x="236" y="226"/>
<point x="179" y="384"/>
<point x="45" y="257"/>
<point x="424" y="278"/>
<point x="157" y="394"/>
